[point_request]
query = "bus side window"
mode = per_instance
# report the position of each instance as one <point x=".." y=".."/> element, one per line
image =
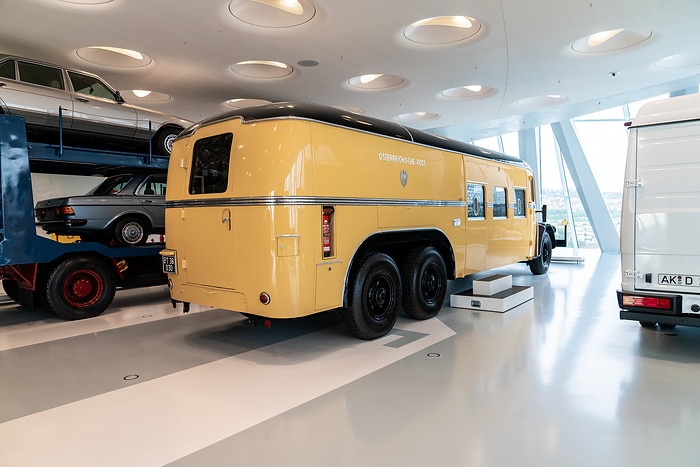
<point x="519" y="210"/>
<point x="499" y="202"/>
<point x="475" y="201"/>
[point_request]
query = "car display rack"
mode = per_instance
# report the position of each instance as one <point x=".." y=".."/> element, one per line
<point x="61" y="159"/>
<point x="73" y="280"/>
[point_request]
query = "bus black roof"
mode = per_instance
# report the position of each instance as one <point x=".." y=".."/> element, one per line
<point x="338" y="117"/>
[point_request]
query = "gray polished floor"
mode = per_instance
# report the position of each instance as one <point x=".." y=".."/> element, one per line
<point x="557" y="381"/>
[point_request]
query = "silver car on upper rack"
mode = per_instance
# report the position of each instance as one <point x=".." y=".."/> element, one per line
<point x="91" y="110"/>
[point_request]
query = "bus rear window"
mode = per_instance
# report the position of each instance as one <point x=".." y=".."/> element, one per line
<point x="210" y="162"/>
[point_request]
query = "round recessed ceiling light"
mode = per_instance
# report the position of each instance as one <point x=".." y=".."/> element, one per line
<point x="417" y="116"/>
<point x="273" y="13"/>
<point x="541" y="101"/>
<point x="610" y="41"/>
<point x="114" y="57"/>
<point x="471" y="91"/>
<point x="86" y="2"/>
<point x="262" y="69"/>
<point x="442" y="30"/>
<point x="142" y="95"/>
<point x="376" y="82"/>
<point x="681" y="60"/>
<point x="243" y="103"/>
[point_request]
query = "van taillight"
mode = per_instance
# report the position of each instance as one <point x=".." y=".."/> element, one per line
<point x="327" y="231"/>
<point x="659" y="303"/>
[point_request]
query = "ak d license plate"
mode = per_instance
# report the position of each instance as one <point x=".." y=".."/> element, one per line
<point x="679" y="279"/>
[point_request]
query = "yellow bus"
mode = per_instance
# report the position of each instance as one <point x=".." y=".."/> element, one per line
<point x="285" y="210"/>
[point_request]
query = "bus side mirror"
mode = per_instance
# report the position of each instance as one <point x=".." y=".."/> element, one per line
<point x="543" y="211"/>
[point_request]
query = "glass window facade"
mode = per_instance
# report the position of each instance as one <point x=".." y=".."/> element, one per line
<point x="603" y="138"/>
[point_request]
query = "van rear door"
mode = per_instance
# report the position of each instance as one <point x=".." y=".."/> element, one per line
<point x="208" y="236"/>
<point x="667" y="208"/>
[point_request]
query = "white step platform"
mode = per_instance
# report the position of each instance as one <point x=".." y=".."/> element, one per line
<point x="493" y="293"/>
<point x="567" y="255"/>
<point x="492" y="284"/>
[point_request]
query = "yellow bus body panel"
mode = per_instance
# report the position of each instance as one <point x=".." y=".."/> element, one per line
<point x="263" y="235"/>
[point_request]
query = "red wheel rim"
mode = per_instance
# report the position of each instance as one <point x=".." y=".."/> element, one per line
<point x="83" y="288"/>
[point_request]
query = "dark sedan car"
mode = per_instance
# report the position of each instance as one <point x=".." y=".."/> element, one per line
<point x="124" y="208"/>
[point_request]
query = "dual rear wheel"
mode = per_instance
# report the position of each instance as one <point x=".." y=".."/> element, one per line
<point x="380" y="287"/>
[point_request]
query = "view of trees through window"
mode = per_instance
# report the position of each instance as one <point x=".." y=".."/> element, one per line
<point x="603" y="138"/>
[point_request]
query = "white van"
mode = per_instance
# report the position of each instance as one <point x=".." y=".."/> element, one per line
<point x="659" y="241"/>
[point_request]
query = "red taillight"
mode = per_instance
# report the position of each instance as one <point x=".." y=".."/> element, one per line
<point x="40" y="213"/>
<point x="65" y="211"/>
<point x="659" y="303"/>
<point x="265" y="298"/>
<point x="327" y="231"/>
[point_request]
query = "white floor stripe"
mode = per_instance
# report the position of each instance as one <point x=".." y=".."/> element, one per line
<point x="165" y="419"/>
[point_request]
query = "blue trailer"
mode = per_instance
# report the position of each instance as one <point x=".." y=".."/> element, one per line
<point x="73" y="280"/>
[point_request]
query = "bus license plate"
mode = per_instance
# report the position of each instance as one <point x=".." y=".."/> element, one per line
<point x="679" y="279"/>
<point x="169" y="264"/>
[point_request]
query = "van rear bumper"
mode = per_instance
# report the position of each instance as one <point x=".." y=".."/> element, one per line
<point x="671" y="315"/>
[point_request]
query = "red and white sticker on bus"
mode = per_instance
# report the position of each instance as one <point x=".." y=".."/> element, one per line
<point x="679" y="279"/>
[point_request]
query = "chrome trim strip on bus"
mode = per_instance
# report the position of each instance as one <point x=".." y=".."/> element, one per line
<point x="310" y="201"/>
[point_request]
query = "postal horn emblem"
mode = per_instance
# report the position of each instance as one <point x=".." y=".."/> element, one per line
<point x="404" y="178"/>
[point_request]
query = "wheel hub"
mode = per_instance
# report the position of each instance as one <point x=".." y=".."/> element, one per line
<point x="132" y="233"/>
<point x="379" y="298"/>
<point x="81" y="288"/>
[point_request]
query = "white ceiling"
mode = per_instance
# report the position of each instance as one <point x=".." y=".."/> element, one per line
<point x="523" y="51"/>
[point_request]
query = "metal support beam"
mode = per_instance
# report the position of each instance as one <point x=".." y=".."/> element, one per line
<point x="530" y="152"/>
<point x="567" y="200"/>
<point x="591" y="197"/>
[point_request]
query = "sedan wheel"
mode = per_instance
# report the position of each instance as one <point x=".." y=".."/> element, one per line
<point x="165" y="138"/>
<point x="131" y="232"/>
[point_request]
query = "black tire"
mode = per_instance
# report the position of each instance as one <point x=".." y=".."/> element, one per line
<point x="540" y="265"/>
<point x="164" y="139"/>
<point x="648" y="324"/>
<point x="131" y="231"/>
<point x="11" y="288"/>
<point x="80" y="288"/>
<point x="424" y="283"/>
<point x="373" y="304"/>
<point x="666" y="327"/>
